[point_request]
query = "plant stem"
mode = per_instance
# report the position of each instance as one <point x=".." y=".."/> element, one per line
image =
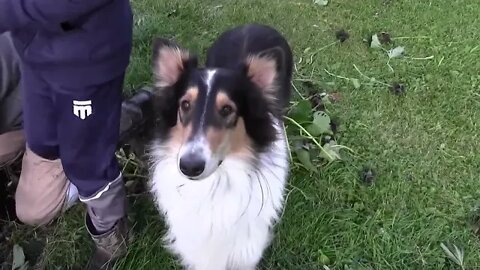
<point x="309" y="136"/>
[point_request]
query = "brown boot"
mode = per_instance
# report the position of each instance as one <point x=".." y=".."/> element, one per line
<point x="109" y="246"/>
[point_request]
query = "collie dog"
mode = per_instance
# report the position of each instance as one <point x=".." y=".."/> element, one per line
<point x="219" y="161"/>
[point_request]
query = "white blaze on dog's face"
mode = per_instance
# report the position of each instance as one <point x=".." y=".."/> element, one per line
<point x="213" y="118"/>
<point x="218" y="112"/>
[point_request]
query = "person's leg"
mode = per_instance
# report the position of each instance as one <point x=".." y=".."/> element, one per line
<point x="43" y="187"/>
<point x="12" y="140"/>
<point x="88" y="131"/>
<point x="12" y="145"/>
<point x="10" y="100"/>
<point x="43" y="191"/>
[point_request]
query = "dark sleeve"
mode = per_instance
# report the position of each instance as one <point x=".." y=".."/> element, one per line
<point x="16" y="14"/>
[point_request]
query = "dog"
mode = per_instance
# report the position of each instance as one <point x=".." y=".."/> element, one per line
<point x="219" y="160"/>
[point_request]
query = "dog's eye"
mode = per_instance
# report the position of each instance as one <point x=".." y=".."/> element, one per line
<point x="226" y="110"/>
<point x="185" y="105"/>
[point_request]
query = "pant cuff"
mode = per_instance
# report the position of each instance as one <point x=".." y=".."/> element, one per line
<point x="107" y="206"/>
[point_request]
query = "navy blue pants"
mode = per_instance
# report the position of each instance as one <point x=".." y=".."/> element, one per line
<point x="78" y="124"/>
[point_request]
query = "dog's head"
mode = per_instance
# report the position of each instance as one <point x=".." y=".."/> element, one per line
<point x="215" y="113"/>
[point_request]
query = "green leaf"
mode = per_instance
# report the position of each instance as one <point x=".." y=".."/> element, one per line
<point x="320" y="124"/>
<point x="332" y="151"/>
<point x="18" y="258"/>
<point x="356" y="83"/>
<point x="396" y="52"/>
<point x="314" y="130"/>
<point x="302" y="111"/>
<point x="304" y="157"/>
<point x="324" y="260"/>
<point x="376" y="44"/>
<point x="321" y="2"/>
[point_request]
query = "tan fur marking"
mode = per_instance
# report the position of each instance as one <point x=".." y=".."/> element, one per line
<point x="179" y="133"/>
<point x="222" y="99"/>
<point x="236" y="140"/>
<point x="241" y="143"/>
<point x="220" y="137"/>
<point x="191" y="94"/>
<point x="216" y="137"/>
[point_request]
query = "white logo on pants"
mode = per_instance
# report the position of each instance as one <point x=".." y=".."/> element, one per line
<point x="82" y="108"/>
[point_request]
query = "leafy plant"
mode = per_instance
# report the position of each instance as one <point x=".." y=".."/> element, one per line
<point x="311" y="134"/>
<point x="378" y="40"/>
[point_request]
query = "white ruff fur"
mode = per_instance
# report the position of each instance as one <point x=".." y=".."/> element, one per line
<point x="222" y="222"/>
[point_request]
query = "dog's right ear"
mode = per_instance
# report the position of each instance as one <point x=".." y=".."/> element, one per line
<point x="170" y="61"/>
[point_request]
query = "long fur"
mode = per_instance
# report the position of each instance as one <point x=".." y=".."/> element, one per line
<point x="225" y="221"/>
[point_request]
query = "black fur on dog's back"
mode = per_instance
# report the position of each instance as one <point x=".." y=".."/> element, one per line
<point x="234" y="46"/>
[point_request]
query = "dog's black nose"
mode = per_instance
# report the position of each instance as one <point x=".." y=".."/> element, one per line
<point x="192" y="165"/>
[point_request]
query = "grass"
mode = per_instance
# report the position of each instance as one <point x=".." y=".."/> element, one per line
<point x="423" y="146"/>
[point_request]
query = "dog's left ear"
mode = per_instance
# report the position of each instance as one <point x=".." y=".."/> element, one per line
<point x="264" y="69"/>
<point x="170" y="61"/>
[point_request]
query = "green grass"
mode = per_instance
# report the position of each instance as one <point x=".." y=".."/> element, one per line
<point x="423" y="146"/>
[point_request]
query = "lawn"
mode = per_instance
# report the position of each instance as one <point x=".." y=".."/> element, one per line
<point x="421" y="145"/>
